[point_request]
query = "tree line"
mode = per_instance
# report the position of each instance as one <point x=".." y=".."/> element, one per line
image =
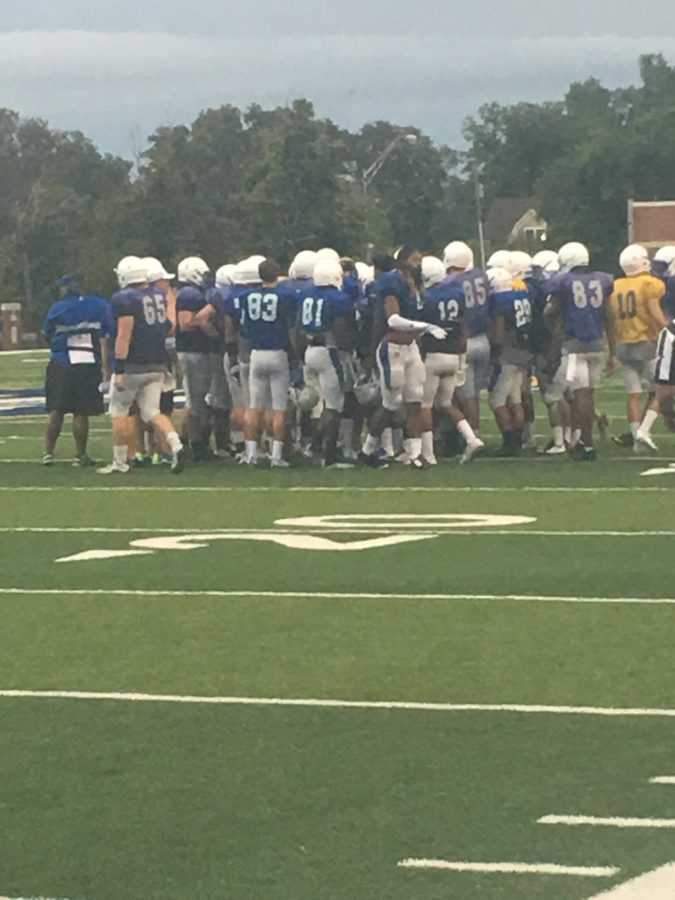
<point x="280" y="180"/>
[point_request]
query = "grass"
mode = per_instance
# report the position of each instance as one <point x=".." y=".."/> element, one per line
<point x="104" y="800"/>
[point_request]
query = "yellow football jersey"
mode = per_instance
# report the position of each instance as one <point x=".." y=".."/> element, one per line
<point x="630" y="308"/>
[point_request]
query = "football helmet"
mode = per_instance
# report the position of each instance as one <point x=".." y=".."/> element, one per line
<point x="193" y="270"/>
<point x="308" y="398"/>
<point x="367" y="392"/>
<point x="327" y="272"/>
<point x="520" y="263"/>
<point x="664" y="262"/>
<point x="131" y="270"/>
<point x="433" y="271"/>
<point x="547" y="261"/>
<point x="634" y="260"/>
<point x="156" y="271"/>
<point x="365" y="273"/>
<point x="500" y="280"/>
<point x="303" y="265"/>
<point x="328" y="253"/>
<point x="500" y="259"/>
<point x="224" y="275"/>
<point x="458" y="255"/>
<point x="573" y="256"/>
<point x="248" y="270"/>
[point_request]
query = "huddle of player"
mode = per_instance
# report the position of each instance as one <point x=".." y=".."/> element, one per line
<point x="350" y="362"/>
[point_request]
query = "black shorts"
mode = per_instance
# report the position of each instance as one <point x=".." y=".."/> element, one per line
<point x="166" y="403"/>
<point x="74" y="389"/>
<point x="665" y="359"/>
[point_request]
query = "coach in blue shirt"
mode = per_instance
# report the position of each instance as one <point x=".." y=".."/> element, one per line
<point x="79" y="328"/>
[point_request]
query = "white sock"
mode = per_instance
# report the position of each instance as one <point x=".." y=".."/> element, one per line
<point x="277" y="450"/>
<point x="347" y="434"/>
<point x="634" y="428"/>
<point x="649" y="421"/>
<point x="428" y="445"/>
<point x="397" y="441"/>
<point x="568" y="434"/>
<point x="120" y="454"/>
<point x="147" y="442"/>
<point x="174" y="441"/>
<point x="528" y="432"/>
<point x="251" y="450"/>
<point x="576" y="436"/>
<point x="467" y="432"/>
<point x="388" y="441"/>
<point x="558" y="435"/>
<point x="370" y="445"/>
<point x="415" y="447"/>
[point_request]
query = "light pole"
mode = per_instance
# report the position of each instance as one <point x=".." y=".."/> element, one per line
<point x="373" y="170"/>
<point x="480" y="195"/>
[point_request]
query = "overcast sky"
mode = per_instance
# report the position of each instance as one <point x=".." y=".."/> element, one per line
<point x="116" y="69"/>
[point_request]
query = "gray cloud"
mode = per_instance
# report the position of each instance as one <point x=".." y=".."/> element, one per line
<point x="431" y="70"/>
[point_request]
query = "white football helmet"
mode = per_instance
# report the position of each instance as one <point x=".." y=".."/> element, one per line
<point x="433" y="271"/>
<point x="520" y="263"/>
<point x="573" y="256"/>
<point x="664" y="260"/>
<point x="547" y="261"/>
<point x="303" y="265"/>
<point x="248" y="270"/>
<point x="500" y="259"/>
<point x="156" y="271"/>
<point x="634" y="260"/>
<point x="192" y="270"/>
<point x="500" y="280"/>
<point x="224" y="275"/>
<point x="328" y="253"/>
<point x="327" y="273"/>
<point x="131" y="270"/>
<point x="367" y="392"/>
<point x="308" y="398"/>
<point x="365" y="273"/>
<point x="458" y="255"/>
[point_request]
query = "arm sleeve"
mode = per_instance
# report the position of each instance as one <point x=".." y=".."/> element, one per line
<point x="399" y="323"/>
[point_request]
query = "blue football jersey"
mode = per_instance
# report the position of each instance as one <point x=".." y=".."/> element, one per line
<point x="75" y="326"/>
<point x="583" y="296"/>
<point x="668" y="302"/>
<point x="148" y="308"/>
<point x="445" y="306"/>
<point x="191" y="299"/>
<point x="319" y="307"/>
<point x="266" y="316"/>
<point x="476" y="289"/>
<point x="393" y="284"/>
<point x="515" y="308"/>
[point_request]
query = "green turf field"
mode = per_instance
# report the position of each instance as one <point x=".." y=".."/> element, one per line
<point x="451" y="690"/>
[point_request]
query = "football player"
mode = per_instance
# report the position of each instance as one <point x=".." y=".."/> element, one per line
<point x="267" y="316"/>
<point x="143" y="324"/>
<point x="637" y="319"/>
<point x="194" y="345"/>
<point x="580" y="297"/>
<point x="458" y="260"/>
<point x="399" y="363"/>
<point x="511" y="357"/>
<point x="546" y="345"/>
<point x="322" y="311"/>
<point x="444" y="359"/>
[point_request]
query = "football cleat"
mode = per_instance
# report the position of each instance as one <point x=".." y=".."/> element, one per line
<point x="373" y="461"/>
<point x="642" y="439"/>
<point x="48" y="459"/>
<point x="337" y="461"/>
<point x="420" y="464"/>
<point x="280" y="464"/>
<point x="555" y="450"/>
<point x="624" y="440"/>
<point x="472" y="451"/>
<point x="178" y="461"/>
<point x="84" y="462"/>
<point x="115" y="469"/>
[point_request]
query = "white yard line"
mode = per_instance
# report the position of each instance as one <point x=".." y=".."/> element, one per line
<point x="440" y="865"/>
<point x="301" y="489"/>
<point x="393" y="705"/>
<point x="606" y="822"/>
<point x="460" y="532"/>
<point x="663" y="779"/>
<point x="656" y="885"/>
<point x="324" y="595"/>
